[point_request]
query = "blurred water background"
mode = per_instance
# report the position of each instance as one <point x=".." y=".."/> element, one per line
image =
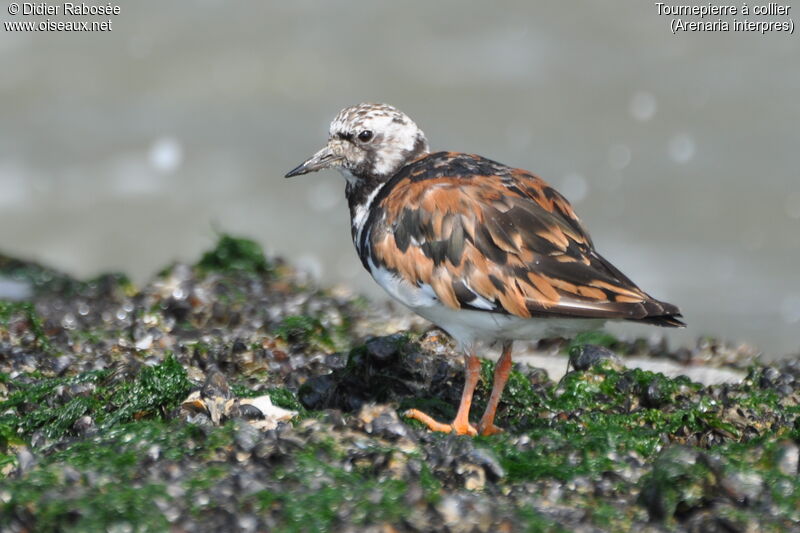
<point x="129" y="149"/>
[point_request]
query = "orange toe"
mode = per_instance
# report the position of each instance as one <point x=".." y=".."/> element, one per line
<point x="490" y="429"/>
<point x="462" y="428"/>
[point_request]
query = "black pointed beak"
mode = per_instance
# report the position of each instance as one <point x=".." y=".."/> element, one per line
<point x="319" y="161"/>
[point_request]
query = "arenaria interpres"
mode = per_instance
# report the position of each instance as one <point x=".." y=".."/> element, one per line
<point x="485" y="251"/>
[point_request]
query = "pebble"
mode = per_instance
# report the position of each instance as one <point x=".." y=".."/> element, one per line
<point x="588" y="355"/>
<point x="788" y="457"/>
<point x="488" y="461"/>
<point x="61" y="364"/>
<point x="654" y="396"/>
<point x="382" y="420"/>
<point x="246" y="436"/>
<point x="25" y="460"/>
<point x="84" y="426"/>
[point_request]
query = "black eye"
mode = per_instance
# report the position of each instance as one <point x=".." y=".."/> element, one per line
<point x="365" y="136"/>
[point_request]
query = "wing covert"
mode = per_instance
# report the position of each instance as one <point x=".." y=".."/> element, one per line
<point x="488" y="237"/>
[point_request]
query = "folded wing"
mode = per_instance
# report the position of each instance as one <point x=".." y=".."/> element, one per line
<point x="488" y="237"/>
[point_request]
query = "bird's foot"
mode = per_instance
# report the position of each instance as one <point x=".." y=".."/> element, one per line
<point x="488" y="429"/>
<point x="457" y="426"/>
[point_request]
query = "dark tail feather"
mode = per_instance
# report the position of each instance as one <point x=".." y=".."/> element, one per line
<point x="662" y="314"/>
<point x="666" y="321"/>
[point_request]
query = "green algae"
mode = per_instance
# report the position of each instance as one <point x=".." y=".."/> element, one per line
<point x="685" y="480"/>
<point x="46" y="281"/>
<point x="283" y="397"/>
<point x="36" y="405"/>
<point x="37" y="275"/>
<point x="321" y="494"/>
<point x="46" y="405"/>
<point x="235" y="254"/>
<point x="312" y="331"/>
<point x="94" y="509"/>
<point x="25" y="311"/>
<point x="597" y="414"/>
<point x="111" y="283"/>
<point x="304" y="329"/>
<point x="596" y="337"/>
<point x="324" y="494"/>
<point x="534" y="522"/>
<point x="155" y="391"/>
<point x="106" y="477"/>
<point x="280" y="396"/>
<point x="578" y="427"/>
<point x="586" y="425"/>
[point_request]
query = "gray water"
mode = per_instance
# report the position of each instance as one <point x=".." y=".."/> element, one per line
<point x="128" y="149"/>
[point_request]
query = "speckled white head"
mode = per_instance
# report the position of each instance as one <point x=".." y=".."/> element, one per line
<point x="368" y="141"/>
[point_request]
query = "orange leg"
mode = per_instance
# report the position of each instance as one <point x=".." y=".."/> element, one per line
<point x="501" y="371"/>
<point x="460" y="424"/>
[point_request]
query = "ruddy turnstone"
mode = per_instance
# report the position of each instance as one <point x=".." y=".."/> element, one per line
<point x="485" y="251"/>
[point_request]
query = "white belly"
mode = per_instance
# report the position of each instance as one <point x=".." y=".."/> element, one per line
<point x="467" y="326"/>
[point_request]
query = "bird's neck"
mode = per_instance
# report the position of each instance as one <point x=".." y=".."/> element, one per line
<point x="362" y="190"/>
<point x="359" y="190"/>
<point x="378" y="168"/>
<point x="360" y="194"/>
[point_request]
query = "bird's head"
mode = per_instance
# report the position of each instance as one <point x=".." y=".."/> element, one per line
<point x="367" y="141"/>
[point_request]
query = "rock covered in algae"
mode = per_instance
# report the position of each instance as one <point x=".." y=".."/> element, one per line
<point x="152" y="409"/>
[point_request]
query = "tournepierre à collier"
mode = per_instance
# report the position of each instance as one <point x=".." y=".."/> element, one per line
<point x="487" y="252"/>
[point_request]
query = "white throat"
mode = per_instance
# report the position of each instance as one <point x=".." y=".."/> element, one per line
<point x="361" y="215"/>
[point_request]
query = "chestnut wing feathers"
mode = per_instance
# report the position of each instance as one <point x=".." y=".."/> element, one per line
<point x="488" y="237"/>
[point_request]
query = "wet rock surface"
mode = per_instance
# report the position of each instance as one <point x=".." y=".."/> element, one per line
<point x="232" y="395"/>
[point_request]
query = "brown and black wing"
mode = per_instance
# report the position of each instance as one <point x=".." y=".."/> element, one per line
<point x="488" y="237"/>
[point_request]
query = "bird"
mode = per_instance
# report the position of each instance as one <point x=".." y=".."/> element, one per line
<point x="487" y="252"/>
